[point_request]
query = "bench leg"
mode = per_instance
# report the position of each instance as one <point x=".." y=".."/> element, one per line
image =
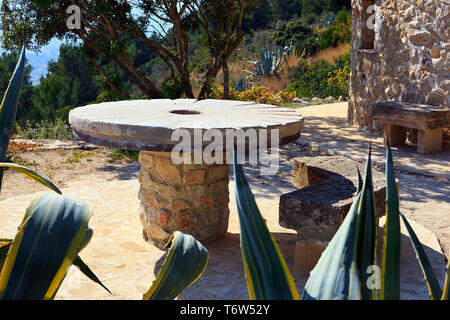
<point x="396" y="134"/>
<point x="429" y="141"/>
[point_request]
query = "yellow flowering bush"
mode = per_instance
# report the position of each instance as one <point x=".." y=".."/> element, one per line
<point x="257" y="94"/>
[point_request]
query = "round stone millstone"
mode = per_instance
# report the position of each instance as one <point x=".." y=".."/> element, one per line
<point x="149" y="124"/>
<point x="192" y="198"/>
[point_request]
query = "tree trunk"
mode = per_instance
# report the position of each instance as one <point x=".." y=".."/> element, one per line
<point x="186" y="83"/>
<point x="108" y="80"/>
<point x="206" y="88"/>
<point x="226" y="80"/>
<point x="138" y="77"/>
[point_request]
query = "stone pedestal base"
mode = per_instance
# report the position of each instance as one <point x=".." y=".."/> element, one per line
<point x="189" y="198"/>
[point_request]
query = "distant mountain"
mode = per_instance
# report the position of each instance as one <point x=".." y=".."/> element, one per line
<point x="39" y="61"/>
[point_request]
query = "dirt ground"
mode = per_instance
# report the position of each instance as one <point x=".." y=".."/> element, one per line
<point x="63" y="162"/>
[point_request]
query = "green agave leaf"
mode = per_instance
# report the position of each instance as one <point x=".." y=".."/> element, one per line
<point x="185" y="263"/>
<point x="50" y="237"/>
<point x="366" y="233"/>
<point x="8" y="108"/>
<point x="79" y="263"/>
<point x="5" y="244"/>
<point x="360" y="181"/>
<point x="390" y="260"/>
<point x="430" y="278"/>
<point x="266" y="272"/>
<point x="445" y="295"/>
<point x="336" y="275"/>
<point x="33" y="175"/>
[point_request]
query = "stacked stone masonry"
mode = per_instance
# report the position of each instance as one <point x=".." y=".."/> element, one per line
<point x="407" y="60"/>
<point x="189" y="198"/>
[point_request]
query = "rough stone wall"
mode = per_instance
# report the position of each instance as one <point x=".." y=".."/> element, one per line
<point x="410" y="58"/>
<point x="189" y="198"/>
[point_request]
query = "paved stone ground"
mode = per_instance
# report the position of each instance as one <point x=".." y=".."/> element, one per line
<point x="127" y="265"/>
<point x="326" y="129"/>
<point x="424" y="179"/>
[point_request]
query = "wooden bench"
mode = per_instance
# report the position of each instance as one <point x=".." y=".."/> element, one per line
<point x="430" y="122"/>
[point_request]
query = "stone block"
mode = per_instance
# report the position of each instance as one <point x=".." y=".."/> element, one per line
<point x="194" y="176"/>
<point x="429" y="141"/>
<point x="327" y="187"/>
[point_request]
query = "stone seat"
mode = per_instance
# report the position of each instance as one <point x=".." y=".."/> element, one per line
<point x="430" y="122"/>
<point x="327" y="187"/>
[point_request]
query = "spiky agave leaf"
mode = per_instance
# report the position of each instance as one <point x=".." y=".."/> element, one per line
<point x="33" y="175"/>
<point x="266" y="272"/>
<point x="5" y="244"/>
<point x="430" y="277"/>
<point x="445" y="295"/>
<point x="79" y="263"/>
<point x="185" y="263"/>
<point x="336" y="275"/>
<point x="366" y="233"/>
<point x="8" y="108"/>
<point x="53" y="231"/>
<point x="390" y="260"/>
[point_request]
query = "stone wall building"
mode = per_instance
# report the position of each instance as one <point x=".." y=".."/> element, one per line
<point x="400" y="52"/>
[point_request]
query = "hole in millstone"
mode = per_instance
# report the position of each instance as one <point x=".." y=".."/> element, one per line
<point x="185" y="112"/>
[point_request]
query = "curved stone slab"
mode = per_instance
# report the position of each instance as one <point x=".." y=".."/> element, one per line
<point x="149" y="124"/>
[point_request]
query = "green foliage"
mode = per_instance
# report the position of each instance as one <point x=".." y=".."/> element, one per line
<point x="298" y="34"/>
<point x="52" y="93"/>
<point x="340" y="78"/>
<point x="8" y="62"/>
<point x="73" y="65"/>
<point x="123" y="154"/>
<point x="338" y="33"/>
<point x="269" y="65"/>
<point x="311" y="80"/>
<point x="286" y="9"/>
<point x="45" y="129"/>
<point x="170" y="89"/>
<point x="63" y="113"/>
<point x="107" y="96"/>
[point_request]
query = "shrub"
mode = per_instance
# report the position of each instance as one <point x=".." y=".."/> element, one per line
<point x="107" y="96"/>
<point x="170" y="89"/>
<point x="340" y="78"/>
<point x="46" y="129"/>
<point x="298" y="33"/>
<point x="340" y="32"/>
<point x="312" y="79"/>
<point x="63" y="113"/>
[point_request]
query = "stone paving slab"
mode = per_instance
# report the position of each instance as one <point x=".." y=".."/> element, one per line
<point x="127" y="265"/>
<point x="326" y="129"/>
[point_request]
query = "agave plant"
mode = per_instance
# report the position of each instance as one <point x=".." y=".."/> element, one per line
<point x="240" y="85"/>
<point x="270" y="64"/>
<point x="341" y="272"/>
<point x="55" y="229"/>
